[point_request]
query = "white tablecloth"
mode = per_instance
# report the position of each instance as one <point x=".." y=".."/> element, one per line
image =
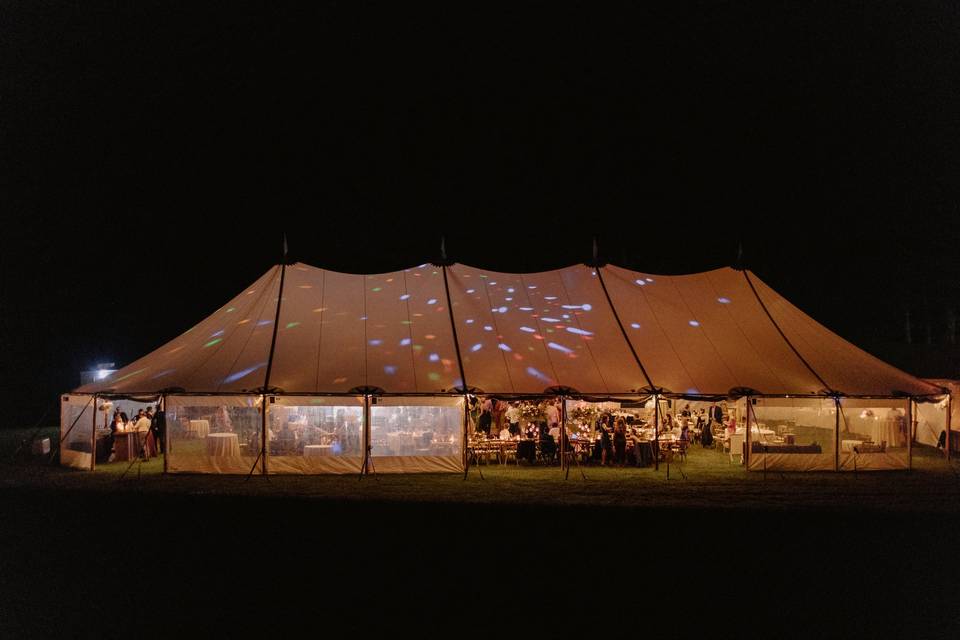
<point x="318" y="450"/>
<point x="223" y="444"/>
<point x="847" y="446"/>
<point x="889" y="431"/>
<point x="198" y="428"/>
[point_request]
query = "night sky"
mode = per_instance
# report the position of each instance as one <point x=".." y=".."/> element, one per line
<point x="153" y="154"/>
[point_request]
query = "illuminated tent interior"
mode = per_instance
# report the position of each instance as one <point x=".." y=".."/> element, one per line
<point x="397" y="352"/>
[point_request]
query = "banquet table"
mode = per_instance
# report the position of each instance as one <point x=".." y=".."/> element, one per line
<point x="317" y="450"/>
<point x="198" y="429"/>
<point x="223" y="444"/>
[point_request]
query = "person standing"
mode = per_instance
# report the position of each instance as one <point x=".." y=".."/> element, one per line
<point x="158" y="425"/>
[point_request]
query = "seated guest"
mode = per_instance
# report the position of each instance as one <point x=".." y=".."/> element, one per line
<point x="505" y="433"/>
<point x="731" y="426"/>
<point x="548" y="447"/>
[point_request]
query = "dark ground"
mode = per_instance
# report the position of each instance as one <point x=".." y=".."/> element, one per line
<point x="721" y="554"/>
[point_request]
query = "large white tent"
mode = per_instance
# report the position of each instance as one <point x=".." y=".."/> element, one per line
<point x="424" y="336"/>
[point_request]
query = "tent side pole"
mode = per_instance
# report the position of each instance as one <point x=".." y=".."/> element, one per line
<point x="656" y="432"/>
<point x="93" y="436"/>
<point x="949" y="418"/>
<point x="367" y="447"/>
<point x="910" y="433"/>
<point x="746" y="440"/>
<point x="465" y="418"/>
<point x="563" y="432"/>
<point x="264" y="440"/>
<point x="836" y="433"/>
<point x="166" y="440"/>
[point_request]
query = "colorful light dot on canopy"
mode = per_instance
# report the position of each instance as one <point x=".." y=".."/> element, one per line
<point x="291" y="325"/>
<point x="694" y="323"/>
<point x="213" y="342"/>
<point x="476" y="347"/>
<point x="723" y="300"/>
<point x="579" y="332"/>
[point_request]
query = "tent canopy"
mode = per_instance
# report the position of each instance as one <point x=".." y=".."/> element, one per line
<point x="605" y="330"/>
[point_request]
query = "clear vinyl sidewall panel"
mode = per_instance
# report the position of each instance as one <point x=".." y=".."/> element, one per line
<point x="213" y="434"/>
<point x="874" y="434"/>
<point x="76" y="430"/>
<point x="793" y="434"/>
<point x="315" y="434"/>
<point x="416" y="434"/>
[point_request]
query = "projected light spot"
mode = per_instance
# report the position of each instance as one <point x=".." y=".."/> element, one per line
<point x="363" y="317"/>
<point x="502" y="309"/>
<point x="550" y="319"/>
<point x="526" y="308"/>
<point x="509" y="299"/>
<point x="649" y="279"/>
<point x="723" y="300"/>
<point x="469" y="320"/>
<point x="405" y="296"/>
<point x="264" y="323"/>
<point x="549" y="297"/>
<point x="291" y="325"/>
<point x="231" y="310"/>
<point x="492" y="283"/>
<point x="476" y="347"/>
<point x="159" y="375"/>
<point x="531" y="286"/>
<point x="585" y="307"/>
<point x="429" y="336"/>
<point x="339" y="380"/>
<point x="565" y="316"/>
<point x="510" y="289"/>
<point x="640" y="282"/>
<point x="559" y="347"/>
<point x="306" y="286"/>
<point x="408" y="322"/>
<point x="693" y="391"/>
<point x="694" y="323"/>
<point x="471" y="290"/>
<point x="528" y="329"/>
<point x="233" y="377"/>
<point x="487" y="328"/>
<point x="213" y="342"/>
<point x="504" y="347"/>
<point x="216" y="333"/>
<point x="376" y="343"/>
<point x="389" y="369"/>
<point x="405" y="342"/>
<point x="434" y="357"/>
<point x="434" y="376"/>
<point x="635" y="325"/>
<point x="536" y="374"/>
<point x="579" y="332"/>
<point x="432" y="301"/>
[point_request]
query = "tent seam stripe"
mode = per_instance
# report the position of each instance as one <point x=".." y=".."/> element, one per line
<point x="783" y="335"/>
<point x="573" y="314"/>
<point x="276" y="331"/>
<point x="453" y="329"/>
<point x="623" y="331"/>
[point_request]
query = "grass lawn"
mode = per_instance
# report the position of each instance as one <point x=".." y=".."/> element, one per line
<point x="707" y="480"/>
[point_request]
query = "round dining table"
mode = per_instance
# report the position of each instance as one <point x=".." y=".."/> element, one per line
<point x="198" y="428"/>
<point x="313" y="450"/>
<point x="223" y="444"/>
